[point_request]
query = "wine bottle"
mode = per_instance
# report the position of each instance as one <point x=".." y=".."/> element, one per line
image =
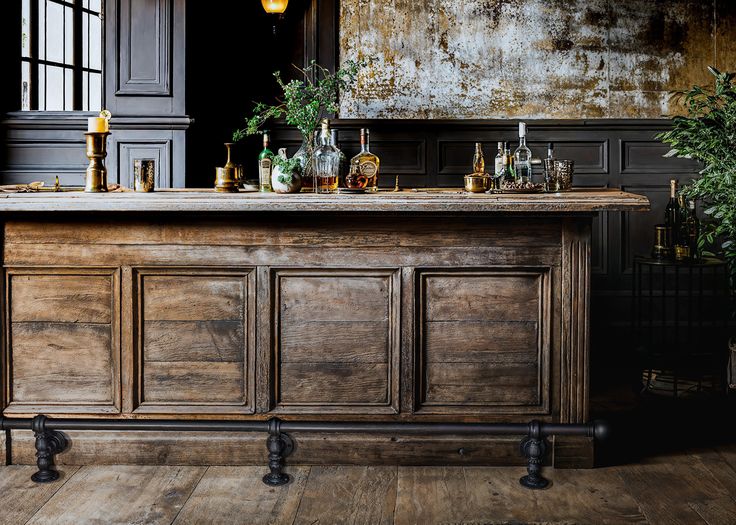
<point x="672" y="216"/>
<point x="682" y="244"/>
<point x="498" y="164"/>
<point x="508" y="165"/>
<point x="693" y="230"/>
<point x="479" y="162"/>
<point x="265" y="163"/>
<point x="523" y="158"/>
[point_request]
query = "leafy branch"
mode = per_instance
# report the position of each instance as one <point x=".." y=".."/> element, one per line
<point x="708" y="134"/>
<point x="305" y="102"/>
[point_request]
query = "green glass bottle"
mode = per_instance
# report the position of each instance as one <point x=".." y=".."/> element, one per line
<point x="265" y="163"/>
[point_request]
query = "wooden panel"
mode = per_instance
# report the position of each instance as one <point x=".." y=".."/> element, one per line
<point x="144" y="56"/>
<point x="471" y="297"/>
<point x="195" y="340"/>
<point x="63" y="341"/>
<point x="337" y="340"/>
<point x="647" y="157"/>
<point x="55" y="362"/>
<point x="190" y="382"/>
<point x="186" y="298"/>
<point x="484" y="341"/>
<point x="57" y="298"/>
<point x="334" y="384"/>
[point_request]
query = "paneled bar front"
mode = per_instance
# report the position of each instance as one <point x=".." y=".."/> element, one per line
<point x="411" y="307"/>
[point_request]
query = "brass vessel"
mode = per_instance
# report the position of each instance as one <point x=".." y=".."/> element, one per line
<point x="477" y="182"/>
<point x="226" y="178"/>
<point x="661" y="248"/>
<point x="96" y="177"/>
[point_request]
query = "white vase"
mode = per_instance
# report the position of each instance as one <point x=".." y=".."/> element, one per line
<point x="282" y="187"/>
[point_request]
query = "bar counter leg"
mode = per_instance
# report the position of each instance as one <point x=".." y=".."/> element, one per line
<point x="278" y="445"/>
<point x="534" y="447"/>
<point x="48" y="444"/>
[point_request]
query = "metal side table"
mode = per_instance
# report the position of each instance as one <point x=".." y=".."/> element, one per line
<point x="680" y="322"/>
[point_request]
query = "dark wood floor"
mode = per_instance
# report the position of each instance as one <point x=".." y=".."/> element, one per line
<point x="695" y="487"/>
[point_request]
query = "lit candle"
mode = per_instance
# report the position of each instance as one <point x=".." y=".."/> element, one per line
<point x="97" y="125"/>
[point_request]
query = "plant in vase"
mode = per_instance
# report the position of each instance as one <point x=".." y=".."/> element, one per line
<point x="286" y="174"/>
<point x="304" y="104"/>
<point x="708" y="134"/>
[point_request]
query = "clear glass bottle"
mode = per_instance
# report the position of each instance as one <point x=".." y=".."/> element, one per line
<point x="265" y="163"/>
<point x="366" y="163"/>
<point x="343" y="170"/>
<point x="326" y="162"/>
<point x="499" y="162"/>
<point x="523" y="158"/>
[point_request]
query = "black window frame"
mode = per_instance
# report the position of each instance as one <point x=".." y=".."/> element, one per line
<point x="77" y="67"/>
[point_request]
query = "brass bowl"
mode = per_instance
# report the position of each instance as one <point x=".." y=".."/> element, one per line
<point x="477" y="182"/>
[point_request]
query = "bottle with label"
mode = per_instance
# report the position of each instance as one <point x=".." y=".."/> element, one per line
<point x="523" y="158"/>
<point x="682" y="244"/>
<point x="499" y="162"/>
<point x="326" y="162"/>
<point x="479" y="161"/>
<point x="509" y="175"/>
<point x="672" y="217"/>
<point x="265" y="163"/>
<point x="692" y="227"/>
<point x="366" y="163"/>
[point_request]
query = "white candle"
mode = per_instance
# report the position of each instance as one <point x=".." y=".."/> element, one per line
<point x="97" y="125"/>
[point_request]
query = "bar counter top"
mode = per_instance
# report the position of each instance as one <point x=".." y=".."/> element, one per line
<point x="430" y="201"/>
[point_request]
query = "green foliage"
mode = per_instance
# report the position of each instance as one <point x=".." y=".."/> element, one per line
<point x="288" y="168"/>
<point x="708" y="134"/>
<point x="305" y="102"/>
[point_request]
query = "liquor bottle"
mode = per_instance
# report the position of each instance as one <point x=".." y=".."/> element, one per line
<point x="549" y="169"/>
<point x="343" y="169"/>
<point x="508" y="166"/>
<point x="693" y="230"/>
<point x="366" y="163"/>
<point x="265" y="163"/>
<point x="682" y="239"/>
<point x="672" y="216"/>
<point x="326" y="162"/>
<point x="479" y="162"/>
<point x="550" y="151"/>
<point x="499" y="162"/>
<point x="523" y="158"/>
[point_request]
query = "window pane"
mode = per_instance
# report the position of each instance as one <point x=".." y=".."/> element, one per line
<point x="95" y="42"/>
<point x="42" y="29"/>
<point x="85" y="91"/>
<point x="85" y="40"/>
<point x="68" y="89"/>
<point x="54" y="32"/>
<point x="25" y="86"/>
<point x="95" y="92"/>
<point x="41" y="87"/>
<point x="95" y="6"/>
<point x="25" y="29"/>
<point x="68" y="36"/>
<point x="54" y="88"/>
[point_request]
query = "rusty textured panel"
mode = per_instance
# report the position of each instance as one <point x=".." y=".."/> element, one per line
<point x="530" y="58"/>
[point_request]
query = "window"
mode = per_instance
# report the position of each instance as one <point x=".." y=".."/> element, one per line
<point x="61" y="55"/>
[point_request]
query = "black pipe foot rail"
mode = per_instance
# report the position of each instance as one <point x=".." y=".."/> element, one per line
<point x="50" y="441"/>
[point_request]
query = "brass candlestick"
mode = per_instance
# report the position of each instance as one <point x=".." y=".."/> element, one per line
<point x="96" y="179"/>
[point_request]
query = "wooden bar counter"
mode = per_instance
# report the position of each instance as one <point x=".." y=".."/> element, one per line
<point x="409" y="306"/>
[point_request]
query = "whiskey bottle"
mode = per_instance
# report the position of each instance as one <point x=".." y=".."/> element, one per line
<point x="366" y="163"/>
<point x="326" y="162"/>
<point x="265" y="163"/>
<point x="479" y="162"/>
<point x="672" y="216"/>
<point x="682" y="244"/>
<point x="523" y="158"/>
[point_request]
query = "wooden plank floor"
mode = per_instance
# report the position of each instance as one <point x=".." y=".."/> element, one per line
<point x="698" y="487"/>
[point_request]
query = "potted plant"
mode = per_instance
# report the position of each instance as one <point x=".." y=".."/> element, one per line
<point x="304" y="104"/>
<point x="286" y="173"/>
<point x="708" y="134"/>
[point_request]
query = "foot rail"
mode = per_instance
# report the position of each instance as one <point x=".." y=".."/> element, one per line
<point x="279" y="442"/>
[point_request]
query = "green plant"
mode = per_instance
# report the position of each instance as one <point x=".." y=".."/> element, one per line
<point x="287" y="167"/>
<point x="305" y="102"/>
<point x="708" y="135"/>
